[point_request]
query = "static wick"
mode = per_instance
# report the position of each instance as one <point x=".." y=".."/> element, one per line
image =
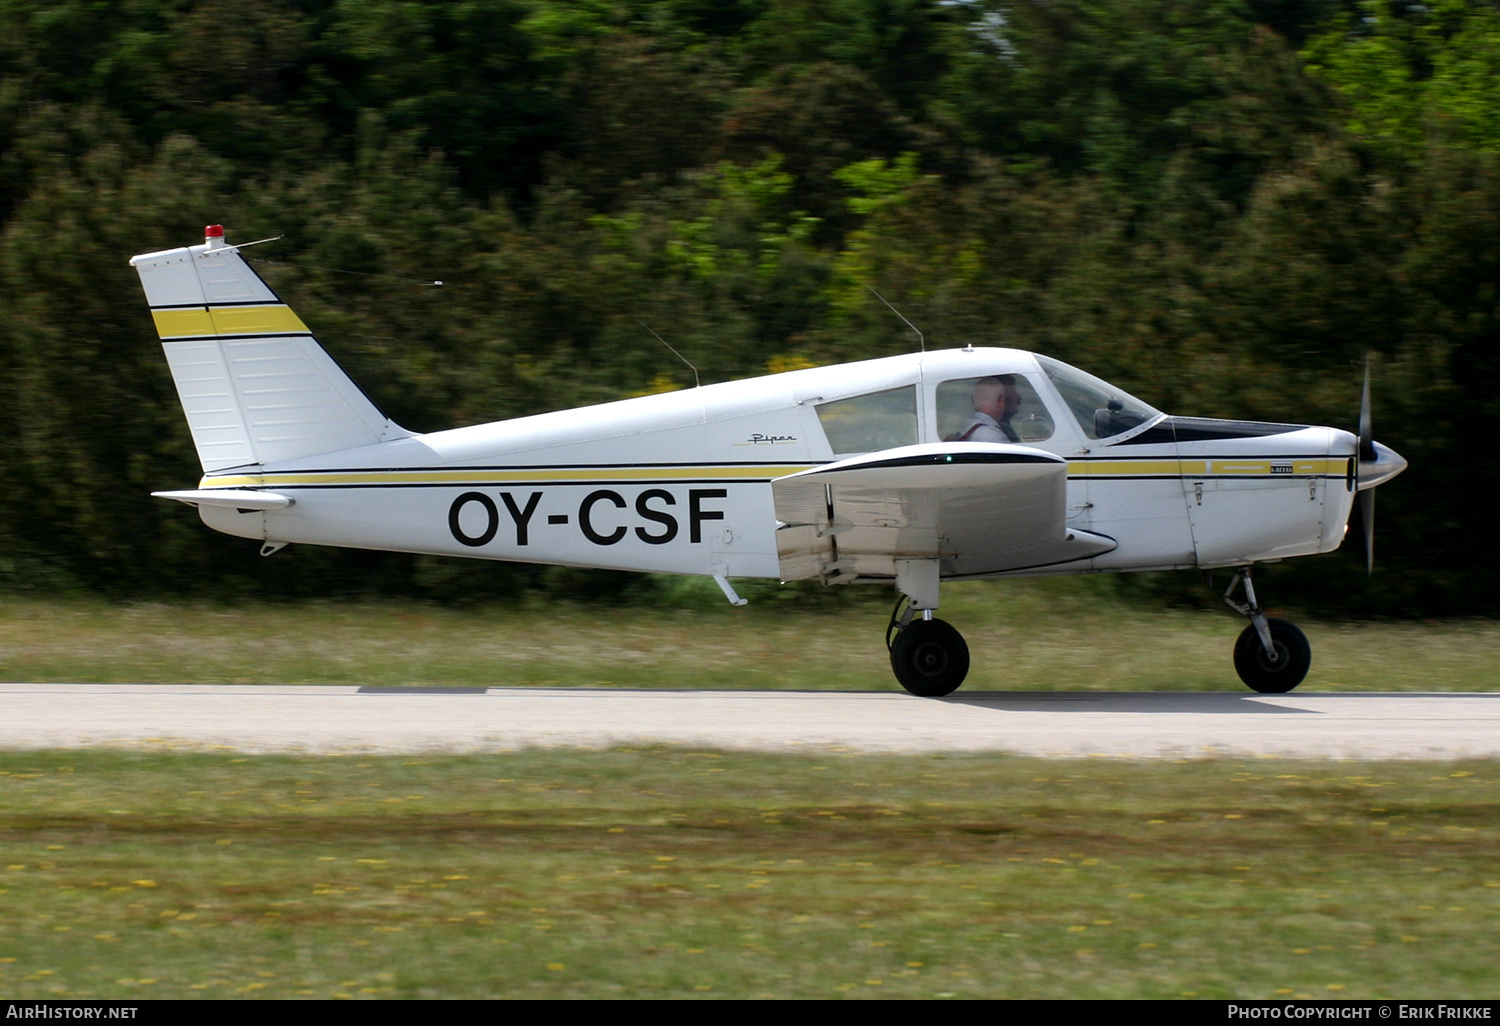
<point x="684" y="359"/>
<point x="921" y="342"/>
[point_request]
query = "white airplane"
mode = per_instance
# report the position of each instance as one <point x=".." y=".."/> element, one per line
<point x="884" y="471"/>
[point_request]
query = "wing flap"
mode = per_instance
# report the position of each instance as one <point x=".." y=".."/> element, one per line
<point x="977" y="508"/>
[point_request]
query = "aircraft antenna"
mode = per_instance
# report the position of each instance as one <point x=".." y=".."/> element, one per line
<point x="684" y="359"/>
<point x="922" y="342"/>
<point x="334" y="270"/>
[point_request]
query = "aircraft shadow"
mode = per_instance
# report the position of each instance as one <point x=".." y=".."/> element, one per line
<point x="1204" y="702"/>
<point x="1201" y="702"/>
<point x="1139" y="702"/>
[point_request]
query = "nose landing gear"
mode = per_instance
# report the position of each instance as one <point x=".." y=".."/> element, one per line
<point x="1271" y="656"/>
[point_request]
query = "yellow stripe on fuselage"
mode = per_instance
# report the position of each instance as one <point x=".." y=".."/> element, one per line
<point x="509" y="476"/>
<point x="1258" y="467"/>
<point x="1166" y="467"/>
<point x="202" y="322"/>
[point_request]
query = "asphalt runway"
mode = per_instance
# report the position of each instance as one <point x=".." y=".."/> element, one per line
<point x="1141" y="725"/>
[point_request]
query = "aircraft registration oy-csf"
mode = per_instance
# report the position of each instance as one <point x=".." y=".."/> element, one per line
<point x="906" y="471"/>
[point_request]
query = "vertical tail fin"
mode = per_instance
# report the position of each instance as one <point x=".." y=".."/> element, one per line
<point x="254" y="383"/>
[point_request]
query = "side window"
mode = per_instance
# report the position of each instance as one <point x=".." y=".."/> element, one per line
<point x="1006" y="399"/>
<point x="869" y="423"/>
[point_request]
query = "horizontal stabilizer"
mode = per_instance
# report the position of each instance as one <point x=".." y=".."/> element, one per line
<point x="229" y="498"/>
<point x="978" y="508"/>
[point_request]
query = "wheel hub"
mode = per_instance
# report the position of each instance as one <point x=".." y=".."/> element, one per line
<point x="1272" y="662"/>
<point x="931" y="659"/>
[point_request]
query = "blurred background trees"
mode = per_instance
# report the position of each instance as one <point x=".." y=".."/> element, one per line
<point x="1222" y="206"/>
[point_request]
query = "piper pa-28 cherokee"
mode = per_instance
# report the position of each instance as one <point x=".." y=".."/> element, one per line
<point x="879" y="471"/>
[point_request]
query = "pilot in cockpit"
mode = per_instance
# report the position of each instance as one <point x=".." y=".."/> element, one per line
<point x="996" y="401"/>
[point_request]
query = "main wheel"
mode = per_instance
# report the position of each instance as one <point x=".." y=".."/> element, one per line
<point x="930" y="658"/>
<point x="1259" y="671"/>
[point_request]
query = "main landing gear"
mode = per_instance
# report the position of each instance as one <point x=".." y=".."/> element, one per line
<point x="1271" y="656"/>
<point x="931" y="659"/>
<point x="929" y="656"/>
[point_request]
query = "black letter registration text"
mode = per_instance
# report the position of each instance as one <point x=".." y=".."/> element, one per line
<point x="585" y="521"/>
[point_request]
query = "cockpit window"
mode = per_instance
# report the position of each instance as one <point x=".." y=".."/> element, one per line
<point x="1101" y="409"/>
<point x="980" y="410"/>
<point x="869" y="423"/>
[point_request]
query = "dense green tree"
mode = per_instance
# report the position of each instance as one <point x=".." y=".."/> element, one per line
<point x="1414" y="72"/>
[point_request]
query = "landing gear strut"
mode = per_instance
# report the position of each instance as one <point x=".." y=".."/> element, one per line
<point x="1271" y="656"/>
<point x="929" y="656"/>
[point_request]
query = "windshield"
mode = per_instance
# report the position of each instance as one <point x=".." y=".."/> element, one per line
<point x="1101" y="409"/>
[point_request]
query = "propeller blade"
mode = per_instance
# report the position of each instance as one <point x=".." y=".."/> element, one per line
<point x="1366" y="432"/>
<point x="1367" y="527"/>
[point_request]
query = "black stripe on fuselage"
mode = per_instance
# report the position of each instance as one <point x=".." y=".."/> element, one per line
<point x="529" y="466"/>
<point x="603" y="482"/>
<point x="950" y="457"/>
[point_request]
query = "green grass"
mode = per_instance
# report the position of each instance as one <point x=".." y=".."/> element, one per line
<point x="672" y="873"/>
<point x="1024" y="635"/>
<point x="667" y="872"/>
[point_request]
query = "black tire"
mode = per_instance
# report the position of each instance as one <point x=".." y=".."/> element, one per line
<point x="1294" y="657"/>
<point x="930" y="658"/>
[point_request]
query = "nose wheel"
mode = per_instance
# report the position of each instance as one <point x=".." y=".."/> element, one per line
<point x="1271" y="656"/>
<point x="929" y="657"/>
<point x="1268" y="675"/>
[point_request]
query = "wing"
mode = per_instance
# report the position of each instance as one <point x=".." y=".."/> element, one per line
<point x="978" y="508"/>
